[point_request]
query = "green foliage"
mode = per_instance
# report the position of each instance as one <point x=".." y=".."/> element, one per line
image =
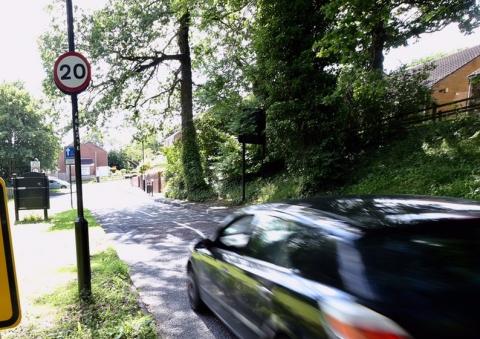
<point x="31" y="219"/>
<point x="293" y="82"/>
<point x="371" y="106"/>
<point x="210" y="139"/>
<point x="66" y="220"/>
<point x="281" y="187"/>
<point x="362" y="30"/>
<point x="24" y="134"/>
<point x="174" y="176"/>
<point x="220" y="157"/>
<point x="130" y="156"/>
<point x="191" y="162"/>
<point x="113" y="311"/>
<point x="176" y="180"/>
<point x="144" y="167"/>
<point x="435" y="159"/>
<point x="225" y="55"/>
<point x="118" y="159"/>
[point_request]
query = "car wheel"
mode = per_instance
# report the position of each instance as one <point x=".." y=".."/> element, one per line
<point x="194" y="299"/>
<point x="63" y="186"/>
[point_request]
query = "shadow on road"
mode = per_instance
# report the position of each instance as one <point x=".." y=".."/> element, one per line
<point x="154" y="240"/>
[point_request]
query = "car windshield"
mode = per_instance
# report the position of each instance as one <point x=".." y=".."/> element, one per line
<point x="422" y="263"/>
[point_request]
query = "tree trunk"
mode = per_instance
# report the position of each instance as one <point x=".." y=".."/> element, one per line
<point x="376" y="49"/>
<point x="192" y="167"/>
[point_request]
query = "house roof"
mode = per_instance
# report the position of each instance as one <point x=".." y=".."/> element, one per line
<point x="90" y="144"/>
<point x="449" y="64"/>
<point x="94" y="145"/>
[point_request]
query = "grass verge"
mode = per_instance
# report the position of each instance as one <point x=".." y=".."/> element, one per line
<point x="65" y="220"/>
<point x="32" y="219"/>
<point x="276" y="188"/>
<point x="440" y="159"/>
<point x="113" y="311"/>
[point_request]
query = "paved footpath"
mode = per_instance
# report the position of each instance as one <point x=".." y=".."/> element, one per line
<point x="153" y="238"/>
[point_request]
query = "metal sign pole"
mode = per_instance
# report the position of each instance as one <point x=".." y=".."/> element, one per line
<point x="81" y="225"/>
<point x="70" y="179"/>
<point x="243" y="170"/>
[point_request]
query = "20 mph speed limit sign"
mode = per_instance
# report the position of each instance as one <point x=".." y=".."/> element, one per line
<point x="71" y="73"/>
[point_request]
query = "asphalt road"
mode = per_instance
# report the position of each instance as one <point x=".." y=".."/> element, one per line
<point x="153" y="238"/>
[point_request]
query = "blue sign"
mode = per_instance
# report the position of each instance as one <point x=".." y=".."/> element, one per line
<point x="69" y="155"/>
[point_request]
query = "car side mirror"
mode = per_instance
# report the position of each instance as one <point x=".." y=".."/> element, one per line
<point x="204" y="243"/>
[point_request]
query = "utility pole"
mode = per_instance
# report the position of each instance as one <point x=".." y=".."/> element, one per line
<point x="81" y="224"/>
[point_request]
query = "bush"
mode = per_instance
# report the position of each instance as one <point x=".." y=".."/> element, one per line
<point x="440" y="158"/>
<point x="174" y="176"/>
<point x="144" y="167"/>
<point x="372" y="105"/>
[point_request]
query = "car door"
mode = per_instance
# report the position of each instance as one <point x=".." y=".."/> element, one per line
<point x="215" y="267"/>
<point x="255" y="269"/>
<point x="53" y="184"/>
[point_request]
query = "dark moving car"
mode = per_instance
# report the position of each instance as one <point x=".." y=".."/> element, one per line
<point x="353" y="267"/>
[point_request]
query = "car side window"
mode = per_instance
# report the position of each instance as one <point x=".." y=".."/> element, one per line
<point x="314" y="255"/>
<point x="238" y="233"/>
<point x="269" y="238"/>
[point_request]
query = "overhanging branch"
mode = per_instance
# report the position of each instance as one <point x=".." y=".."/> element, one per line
<point x="154" y="60"/>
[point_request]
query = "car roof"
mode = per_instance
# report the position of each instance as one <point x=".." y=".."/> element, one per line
<point x="360" y="214"/>
<point x="58" y="180"/>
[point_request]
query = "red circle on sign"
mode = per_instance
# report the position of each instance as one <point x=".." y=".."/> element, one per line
<point x="62" y="86"/>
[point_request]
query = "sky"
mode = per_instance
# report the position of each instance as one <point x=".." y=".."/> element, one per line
<point x="22" y="22"/>
<point x="449" y="39"/>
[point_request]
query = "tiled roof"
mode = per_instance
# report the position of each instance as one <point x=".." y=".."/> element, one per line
<point x="449" y="64"/>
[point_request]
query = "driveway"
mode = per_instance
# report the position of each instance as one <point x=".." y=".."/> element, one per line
<point x="153" y="238"/>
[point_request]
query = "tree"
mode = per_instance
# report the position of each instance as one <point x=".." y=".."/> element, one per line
<point x="141" y="53"/>
<point x="120" y="160"/>
<point x="226" y="57"/>
<point x="292" y="83"/>
<point x="362" y="30"/>
<point x="135" y="39"/>
<point x="24" y="135"/>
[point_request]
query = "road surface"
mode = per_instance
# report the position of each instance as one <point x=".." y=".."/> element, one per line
<point x="153" y="238"/>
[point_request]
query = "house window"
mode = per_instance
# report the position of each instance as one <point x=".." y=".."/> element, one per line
<point x="443" y="90"/>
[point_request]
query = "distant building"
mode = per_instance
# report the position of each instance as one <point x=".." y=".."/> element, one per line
<point x="172" y="139"/>
<point x="94" y="160"/>
<point x="452" y="77"/>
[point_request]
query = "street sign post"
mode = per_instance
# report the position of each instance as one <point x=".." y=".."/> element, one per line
<point x="9" y="305"/>
<point x="71" y="74"/>
<point x="69" y="161"/>
<point x="69" y="155"/>
<point x="35" y="166"/>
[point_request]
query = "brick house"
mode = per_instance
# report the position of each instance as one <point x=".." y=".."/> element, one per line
<point x="452" y="77"/>
<point x="93" y="159"/>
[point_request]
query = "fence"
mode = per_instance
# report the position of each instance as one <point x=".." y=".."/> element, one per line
<point x="438" y="112"/>
<point x="153" y="181"/>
